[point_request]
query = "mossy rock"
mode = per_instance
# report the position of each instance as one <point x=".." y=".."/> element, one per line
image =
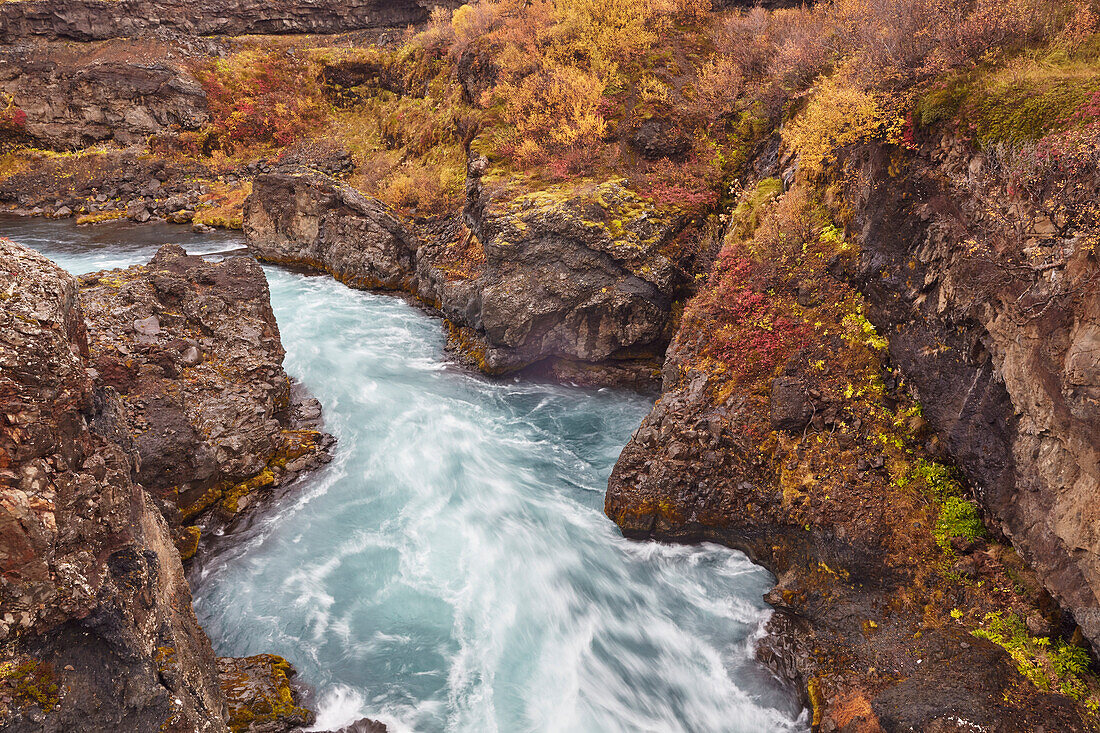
<point x="230" y="504"/>
<point x="187" y="541"/>
<point x="29" y="683"/>
<point x="259" y="694"/>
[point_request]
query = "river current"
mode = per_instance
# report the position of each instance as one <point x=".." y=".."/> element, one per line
<point x="452" y="568"/>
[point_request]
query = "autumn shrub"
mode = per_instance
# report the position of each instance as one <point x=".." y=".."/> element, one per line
<point x="899" y="41"/>
<point x="785" y="48"/>
<point x="1060" y="174"/>
<point x="12" y="118"/>
<point x="223" y="206"/>
<point x="840" y="114"/>
<point x="1083" y="22"/>
<point x="738" y="322"/>
<point x="744" y="318"/>
<point x="262" y="98"/>
<point x="688" y="186"/>
<point x="555" y="60"/>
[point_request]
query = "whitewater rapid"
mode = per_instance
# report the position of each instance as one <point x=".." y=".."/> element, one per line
<point x="452" y="569"/>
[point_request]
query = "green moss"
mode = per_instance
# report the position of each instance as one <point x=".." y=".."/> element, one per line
<point x="30" y="683"/>
<point x="942" y="103"/>
<point x="747" y="215"/>
<point x="937" y="480"/>
<point x="1022" y="112"/>
<point x="1019" y="101"/>
<point x="1060" y="667"/>
<point x="958" y="518"/>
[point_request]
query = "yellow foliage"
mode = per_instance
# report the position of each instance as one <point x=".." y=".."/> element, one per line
<point x="558" y="106"/>
<point x="841" y="114"/>
<point x="223" y="207"/>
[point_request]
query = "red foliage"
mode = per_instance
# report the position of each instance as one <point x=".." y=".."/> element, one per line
<point x="267" y="97"/>
<point x="738" y="322"/>
<point x="689" y="186"/>
<point x="12" y="118"/>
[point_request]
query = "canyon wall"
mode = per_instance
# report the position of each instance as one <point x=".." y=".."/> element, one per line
<point x="1003" y="352"/>
<point x="98" y="632"/>
<point x="96" y="627"/>
<point x="104" y="92"/>
<point x="96" y="20"/>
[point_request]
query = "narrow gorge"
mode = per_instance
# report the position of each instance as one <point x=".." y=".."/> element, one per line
<point x="655" y="365"/>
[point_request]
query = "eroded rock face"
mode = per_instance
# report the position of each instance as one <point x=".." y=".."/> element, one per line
<point x="97" y="629"/>
<point x="91" y="20"/>
<point x="811" y="465"/>
<point x="111" y="92"/>
<point x="310" y="220"/>
<point x="575" y="274"/>
<point x="574" y="280"/>
<point x="193" y="349"/>
<point x="840" y="637"/>
<point x="1003" y="354"/>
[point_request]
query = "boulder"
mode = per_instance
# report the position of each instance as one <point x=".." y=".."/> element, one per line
<point x="307" y="219"/>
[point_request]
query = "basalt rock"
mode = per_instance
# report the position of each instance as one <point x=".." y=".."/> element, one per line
<point x="363" y="725"/>
<point x="575" y="274"/>
<point x="260" y="695"/>
<point x="1002" y="351"/>
<point x="97" y="632"/>
<point x="839" y="636"/>
<point x="807" y="468"/>
<point x="573" y="281"/>
<point x="109" y="92"/>
<point x="92" y="20"/>
<point x="193" y="349"/>
<point x="310" y="220"/>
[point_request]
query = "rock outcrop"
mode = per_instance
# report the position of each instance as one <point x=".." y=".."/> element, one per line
<point x="193" y="349"/>
<point x="97" y="629"/>
<point x="572" y="274"/>
<point x="94" y="20"/>
<point x="1001" y="346"/>
<point x="309" y="220"/>
<point x="97" y="633"/>
<point x="574" y="281"/>
<point x="112" y="92"/>
<point x="849" y="633"/>
<point x="784" y="431"/>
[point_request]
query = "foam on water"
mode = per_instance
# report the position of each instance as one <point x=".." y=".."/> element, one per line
<point x="452" y="569"/>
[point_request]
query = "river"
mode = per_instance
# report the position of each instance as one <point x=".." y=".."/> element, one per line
<point x="452" y="568"/>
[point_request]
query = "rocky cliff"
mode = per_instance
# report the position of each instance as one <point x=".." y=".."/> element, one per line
<point x="788" y="428"/>
<point x="1000" y="344"/>
<point x="575" y="281"/>
<point x="120" y="91"/>
<point x="193" y="350"/>
<point x="96" y="627"/>
<point x="94" y="20"/>
<point x="98" y="632"/>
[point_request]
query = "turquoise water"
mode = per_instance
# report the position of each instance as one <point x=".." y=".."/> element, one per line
<point x="452" y="569"/>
